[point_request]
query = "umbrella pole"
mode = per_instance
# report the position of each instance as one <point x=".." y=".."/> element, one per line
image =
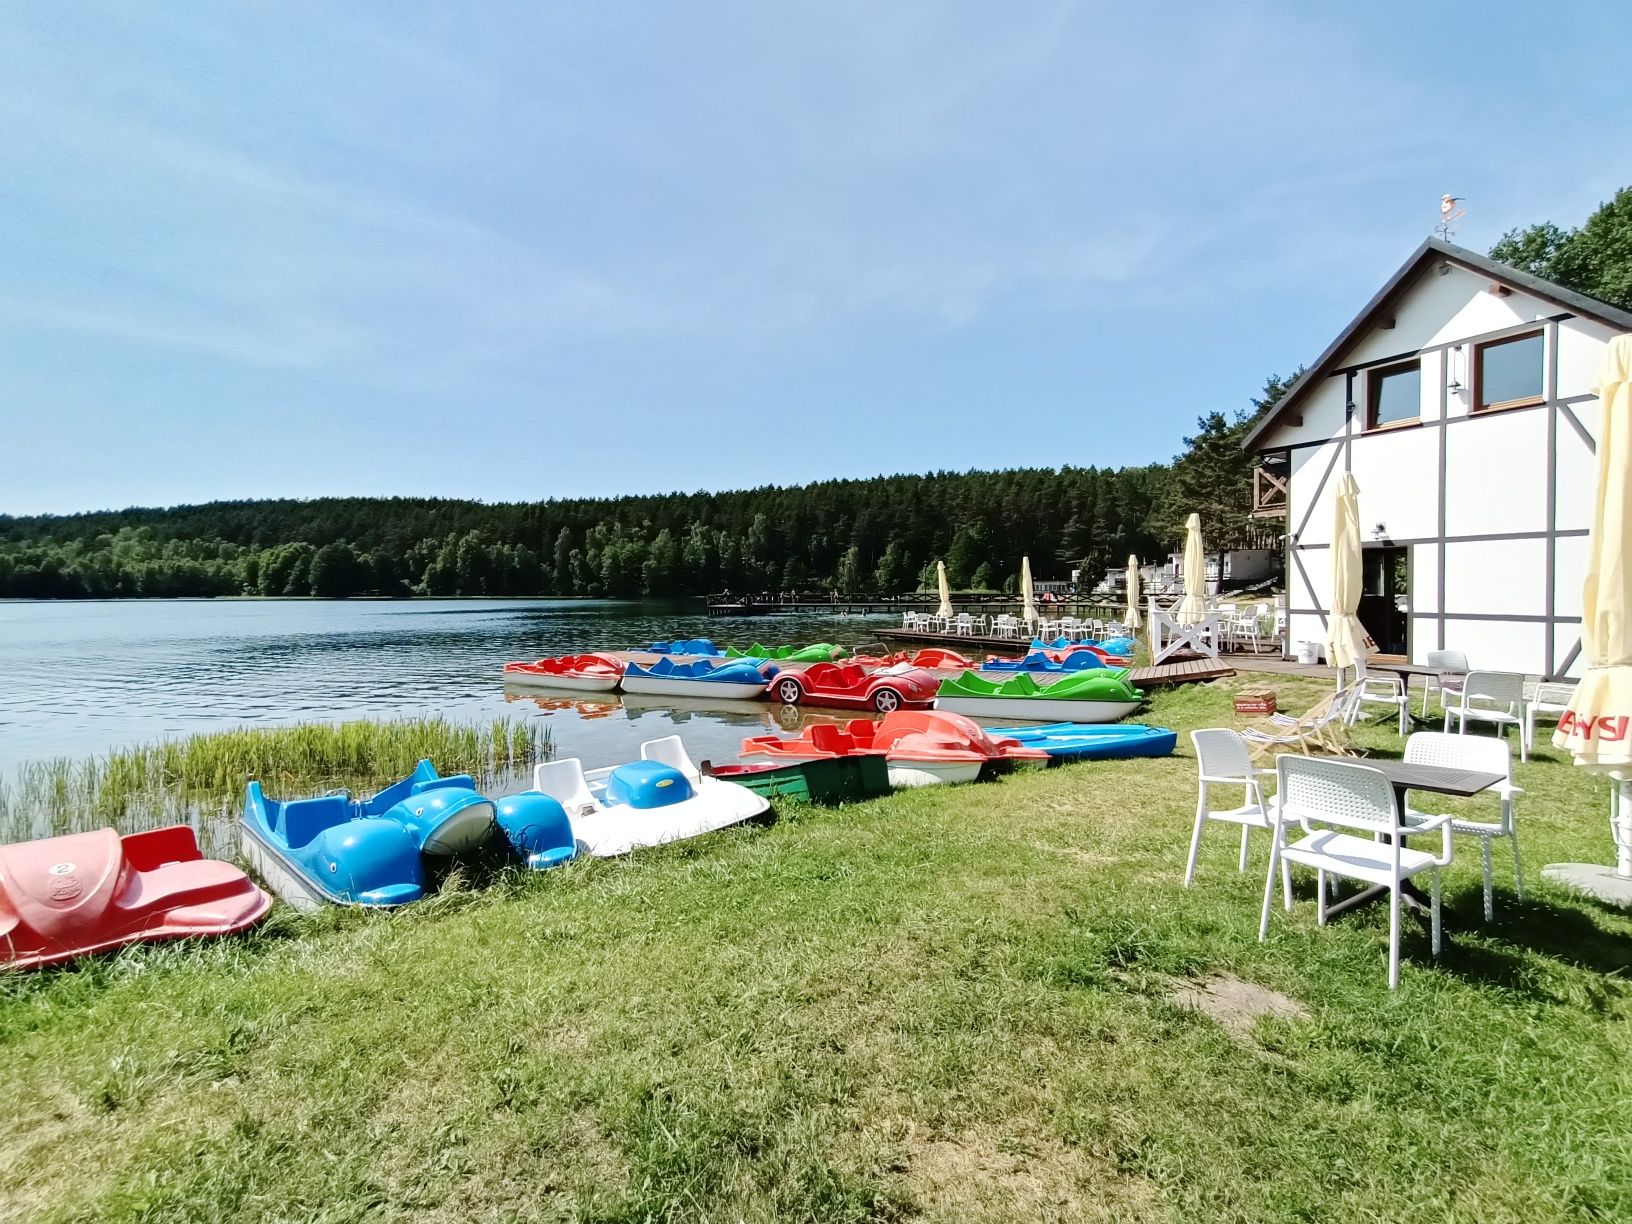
<point x="1620" y="826"/>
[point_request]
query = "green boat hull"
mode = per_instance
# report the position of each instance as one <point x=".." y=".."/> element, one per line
<point x="828" y="782"/>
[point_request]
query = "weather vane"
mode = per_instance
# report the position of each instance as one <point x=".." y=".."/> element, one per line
<point x="1449" y="215"/>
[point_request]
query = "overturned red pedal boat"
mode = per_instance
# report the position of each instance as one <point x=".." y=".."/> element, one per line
<point x="921" y="746"/>
<point x="66" y="897"/>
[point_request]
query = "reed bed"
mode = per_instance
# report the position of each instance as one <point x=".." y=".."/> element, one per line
<point x="171" y="780"/>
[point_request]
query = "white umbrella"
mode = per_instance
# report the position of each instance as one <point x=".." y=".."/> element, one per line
<point x="1193" y="607"/>
<point x="1345" y="638"/>
<point x="1131" y="620"/>
<point x="1595" y="728"/>
<point x="945" y="610"/>
<point x="1028" y="605"/>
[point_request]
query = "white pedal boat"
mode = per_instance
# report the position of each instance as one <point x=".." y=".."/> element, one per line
<point x="661" y="798"/>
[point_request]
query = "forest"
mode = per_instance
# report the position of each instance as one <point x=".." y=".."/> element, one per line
<point x="881" y="535"/>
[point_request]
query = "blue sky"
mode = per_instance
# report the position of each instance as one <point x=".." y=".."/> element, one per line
<point x="513" y="251"/>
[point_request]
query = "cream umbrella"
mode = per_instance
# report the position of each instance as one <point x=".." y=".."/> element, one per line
<point x="1595" y="728"/>
<point x="1193" y="607"/>
<point x="1028" y="605"/>
<point x="1131" y="620"/>
<point x="945" y="610"/>
<point x="1345" y="638"/>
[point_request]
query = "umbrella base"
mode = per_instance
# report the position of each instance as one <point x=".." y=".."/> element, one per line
<point x="1594" y="879"/>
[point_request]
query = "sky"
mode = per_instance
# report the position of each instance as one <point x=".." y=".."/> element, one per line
<point x="518" y="251"/>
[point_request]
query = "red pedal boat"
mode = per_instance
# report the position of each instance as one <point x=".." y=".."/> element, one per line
<point x="921" y="746"/>
<point x="66" y="897"/>
<point x="849" y="686"/>
<point x="929" y="656"/>
<point x="589" y="673"/>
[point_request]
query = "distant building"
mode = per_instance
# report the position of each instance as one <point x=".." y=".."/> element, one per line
<point x="1461" y="398"/>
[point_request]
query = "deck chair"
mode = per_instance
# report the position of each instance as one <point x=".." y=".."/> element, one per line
<point x="1322" y="728"/>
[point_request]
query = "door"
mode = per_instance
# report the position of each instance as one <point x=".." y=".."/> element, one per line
<point x="1385" y="598"/>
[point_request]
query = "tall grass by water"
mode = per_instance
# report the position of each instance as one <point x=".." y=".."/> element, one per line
<point x="182" y="779"/>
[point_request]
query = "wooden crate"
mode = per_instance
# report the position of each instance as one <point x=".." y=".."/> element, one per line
<point x="1254" y="702"/>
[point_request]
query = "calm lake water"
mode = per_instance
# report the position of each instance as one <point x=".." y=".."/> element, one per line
<point x="81" y="678"/>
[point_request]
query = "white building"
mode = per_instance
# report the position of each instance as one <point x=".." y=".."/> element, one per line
<point x="1461" y="400"/>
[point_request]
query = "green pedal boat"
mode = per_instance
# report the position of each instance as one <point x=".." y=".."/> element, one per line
<point x="817" y="652"/>
<point x="1101" y="696"/>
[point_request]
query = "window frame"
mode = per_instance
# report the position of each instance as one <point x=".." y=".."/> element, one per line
<point x="1374" y="386"/>
<point x="1476" y="375"/>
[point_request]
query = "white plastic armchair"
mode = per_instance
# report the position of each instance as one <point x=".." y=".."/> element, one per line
<point x="1452" y="670"/>
<point x="1222" y="759"/>
<point x="1548" y="697"/>
<point x="1351" y="828"/>
<point x="1485" y="756"/>
<point x="1496" y="698"/>
<point x="1387" y="690"/>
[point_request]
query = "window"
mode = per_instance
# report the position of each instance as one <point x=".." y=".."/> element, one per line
<point x="1393" y="395"/>
<point x="1507" y="373"/>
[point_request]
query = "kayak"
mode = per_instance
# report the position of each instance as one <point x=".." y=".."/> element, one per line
<point x="1100" y="696"/>
<point x="738" y="680"/>
<point x="66" y="897"/>
<point x="818" y="652"/>
<point x="1088" y="742"/>
<point x="334" y="850"/>
<point x="589" y="673"/>
<point x="661" y="798"/>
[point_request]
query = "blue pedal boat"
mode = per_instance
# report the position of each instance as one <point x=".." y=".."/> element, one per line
<point x="1096" y="741"/>
<point x="1037" y="661"/>
<point x="705" y="647"/>
<point x="335" y="850"/>
<point x="737" y="679"/>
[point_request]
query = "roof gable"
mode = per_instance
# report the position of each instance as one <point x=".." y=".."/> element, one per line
<point x="1398" y="285"/>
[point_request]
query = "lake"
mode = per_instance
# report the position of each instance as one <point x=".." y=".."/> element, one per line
<point x="83" y="678"/>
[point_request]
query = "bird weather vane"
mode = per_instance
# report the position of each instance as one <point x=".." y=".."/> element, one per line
<point x="1449" y="215"/>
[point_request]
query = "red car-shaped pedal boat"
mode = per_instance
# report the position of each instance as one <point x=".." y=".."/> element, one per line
<point x="64" y="897"/>
<point x="849" y="686"/>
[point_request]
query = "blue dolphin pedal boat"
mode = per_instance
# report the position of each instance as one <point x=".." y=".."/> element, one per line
<point x="1096" y="741"/>
<point x="1037" y="661"/>
<point x="737" y="679"/>
<point x="334" y="850"/>
<point x="687" y="646"/>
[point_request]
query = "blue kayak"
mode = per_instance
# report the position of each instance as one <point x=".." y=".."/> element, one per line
<point x="333" y="849"/>
<point x="1096" y="742"/>
<point x="1037" y="661"/>
<point x="686" y="646"/>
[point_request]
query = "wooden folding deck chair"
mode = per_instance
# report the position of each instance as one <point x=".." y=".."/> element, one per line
<point x="1321" y="728"/>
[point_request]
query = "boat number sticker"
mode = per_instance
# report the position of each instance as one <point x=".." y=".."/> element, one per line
<point x="62" y="869"/>
<point x="665" y="781"/>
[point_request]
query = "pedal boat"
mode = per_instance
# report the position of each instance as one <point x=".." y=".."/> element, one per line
<point x="1047" y="661"/>
<point x="66" y="897"/>
<point x="661" y="798"/>
<point x="585" y="673"/>
<point x="1101" y="696"/>
<point x="334" y="850"/>
<point x="922" y="747"/>
<point x="738" y="680"/>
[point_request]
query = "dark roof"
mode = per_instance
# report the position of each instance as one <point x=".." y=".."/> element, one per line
<point x="1577" y="303"/>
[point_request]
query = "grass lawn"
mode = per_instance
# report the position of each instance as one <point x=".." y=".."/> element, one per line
<point x="950" y="1004"/>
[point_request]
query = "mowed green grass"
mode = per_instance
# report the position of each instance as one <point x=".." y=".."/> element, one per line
<point x="953" y="1004"/>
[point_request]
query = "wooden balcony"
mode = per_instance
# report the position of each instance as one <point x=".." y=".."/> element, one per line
<point x="1270" y="481"/>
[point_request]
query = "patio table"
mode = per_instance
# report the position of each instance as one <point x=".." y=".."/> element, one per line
<point x="1405" y="671"/>
<point x="1406" y="776"/>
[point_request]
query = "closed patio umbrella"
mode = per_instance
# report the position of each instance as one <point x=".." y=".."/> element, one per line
<point x="1131" y="620"/>
<point x="1595" y="729"/>
<point x="1345" y="638"/>
<point x="1028" y="605"/>
<point x="945" y="610"/>
<point x="1193" y="607"/>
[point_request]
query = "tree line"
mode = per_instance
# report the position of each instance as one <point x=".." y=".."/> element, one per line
<point x="854" y="536"/>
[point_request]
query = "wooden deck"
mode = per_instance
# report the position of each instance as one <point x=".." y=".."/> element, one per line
<point x="963" y="643"/>
<point x="1186" y="671"/>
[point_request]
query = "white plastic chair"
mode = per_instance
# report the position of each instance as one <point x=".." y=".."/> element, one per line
<point x="564" y="782"/>
<point x="1547" y="698"/>
<point x="672" y="752"/>
<point x="1485" y="756"/>
<point x="1453" y="668"/>
<point x="1312" y="792"/>
<point x="1503" y="705"/>
<point x="964" y="624"/>
<point x="1222" y="760"/>
<point x="1380" y="690"/>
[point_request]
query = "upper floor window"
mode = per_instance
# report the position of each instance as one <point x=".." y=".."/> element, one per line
<point x="1507" y="373"/>
<point x="1393" y="395"/>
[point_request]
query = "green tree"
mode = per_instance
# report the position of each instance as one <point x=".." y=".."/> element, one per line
<point x="336" y="572"/>
<point x="1595" y="259"/>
